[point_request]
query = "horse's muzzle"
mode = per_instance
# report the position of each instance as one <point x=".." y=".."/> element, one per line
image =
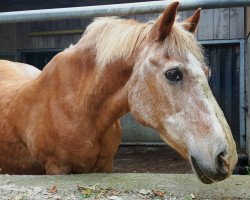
<point x="209" y="176"/>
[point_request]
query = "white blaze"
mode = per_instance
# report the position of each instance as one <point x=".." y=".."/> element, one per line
<point x="185" y="125"/>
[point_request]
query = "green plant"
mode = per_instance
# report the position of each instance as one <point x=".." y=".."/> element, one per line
<point x="248" y="170"/>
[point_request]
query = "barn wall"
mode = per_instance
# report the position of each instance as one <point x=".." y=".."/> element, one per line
<point x="248" y="97"/>
<point x="247" y="21"/>
<point x="215" y="24"/>
<point x="19" y="36"/>
<point x="224" y="23"/>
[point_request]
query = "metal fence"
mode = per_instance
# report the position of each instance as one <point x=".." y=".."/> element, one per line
<point x="113" y="10"/>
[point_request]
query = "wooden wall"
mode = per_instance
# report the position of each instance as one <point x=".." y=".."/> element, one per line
<point x="248" y="97"/>
<point x="247" y="21"/>
<point x="215" y="24"/>
<point x="247" y="67"/>
<point x="18" y="36"/>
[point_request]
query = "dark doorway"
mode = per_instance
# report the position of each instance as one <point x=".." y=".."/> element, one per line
<point x="38" y="59"/>
<point x="224" y="82"/>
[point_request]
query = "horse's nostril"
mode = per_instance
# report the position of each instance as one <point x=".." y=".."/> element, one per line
<point x="223" y="154"/>
<point x="221" y="162"/>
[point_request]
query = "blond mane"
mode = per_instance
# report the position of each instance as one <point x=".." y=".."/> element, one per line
<point x="115" y="38"/>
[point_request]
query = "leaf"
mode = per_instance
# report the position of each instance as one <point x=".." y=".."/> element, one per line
<point x="114" y="192"/>
<point x="87" y="192"/>
<point x="190" y="197"/>
<point x="18" y="197"/>
<point x="145" y="192"/>
<point x="53" y="189"/>
<point x="57" y="197"/>
<point x="115" y="198"/>
<point x="158" y="193"/>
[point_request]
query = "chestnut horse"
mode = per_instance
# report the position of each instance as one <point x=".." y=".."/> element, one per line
<point x="64" y="119"/>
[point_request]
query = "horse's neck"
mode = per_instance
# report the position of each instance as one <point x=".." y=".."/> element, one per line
<point x="103" y="92"/>
<point x="72" y="82"/>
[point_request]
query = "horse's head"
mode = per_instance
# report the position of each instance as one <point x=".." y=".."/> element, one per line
<point x="169" y="92"/>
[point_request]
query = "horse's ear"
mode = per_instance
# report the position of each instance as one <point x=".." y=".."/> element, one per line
<point x="165" y="22"/>
<point x="191" y="23"/>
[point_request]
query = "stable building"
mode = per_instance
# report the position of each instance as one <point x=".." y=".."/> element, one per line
<point x="223" y="33"/>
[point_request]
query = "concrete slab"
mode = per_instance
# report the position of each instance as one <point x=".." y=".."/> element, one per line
<point x="121" y="186"/>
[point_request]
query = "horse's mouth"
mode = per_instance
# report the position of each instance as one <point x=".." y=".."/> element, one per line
<point x="201" y="175"/>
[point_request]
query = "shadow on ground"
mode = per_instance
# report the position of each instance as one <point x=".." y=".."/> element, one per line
<point x="141" y="159"/>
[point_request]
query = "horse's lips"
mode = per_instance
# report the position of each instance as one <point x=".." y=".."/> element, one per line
<point x="201" y="175"/>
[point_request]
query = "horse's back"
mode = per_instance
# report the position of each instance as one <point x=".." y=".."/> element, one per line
<point x="14" y="71"/>
<point x="14" y="155"/>
<point x="13" y="76"/>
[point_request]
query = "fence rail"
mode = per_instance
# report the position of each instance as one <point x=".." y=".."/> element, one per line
<point x="113" y="10"/>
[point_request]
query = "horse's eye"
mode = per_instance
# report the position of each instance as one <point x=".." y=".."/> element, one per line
<point x="174" y="74"/>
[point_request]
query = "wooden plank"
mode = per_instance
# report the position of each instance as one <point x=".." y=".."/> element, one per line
<point x="76" y="38"/>
<point x="34" y="26"/>
<point x="226" y="59"/>
<point x="7" y="56"/>
<point x="248" y="91"/>
<point x="51" y="42"/>
<point x="205" y="29"/>
<point x="7" y="41"/>
<point x="187" y="14"/>
<point x="51" y="25"/>
<point x="130" y="130"/>
<point x="33" y="42"/>
<point x="158" y="138"/>
<point x="236" y="23"/>
<point x="235" y="63"/>
<point x="221" y="23"/>
<point x="141" y="18"/>
<point x="23" y="40"/>
<point x="59" y="32"/>
<point x="247" y="21"/>
<point x="213" y="55"/>
<point x="137" y="133"/>
<point x="130" y="17"/>
<point x="42" y="42"/>
<point x="11" y="39"/>
<point x="153" y="16"/>
<point x="180" y="16"/>
<point x="56" y="25"/>
<point x="224" y="82"/>
<point x="85" y="22"/>
<point x="66" y="41"/>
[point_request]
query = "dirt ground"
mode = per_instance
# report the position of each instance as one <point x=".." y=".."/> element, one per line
<point x="143" y="159"/>
<point x="116" y="186"/>
<point x="141" y="173"/>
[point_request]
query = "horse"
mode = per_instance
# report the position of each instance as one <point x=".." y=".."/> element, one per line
<point x="65" y="119"/>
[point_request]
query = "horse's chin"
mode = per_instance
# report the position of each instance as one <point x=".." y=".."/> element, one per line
<point x="200" y="173"/>
<point x="207" y="176"/>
